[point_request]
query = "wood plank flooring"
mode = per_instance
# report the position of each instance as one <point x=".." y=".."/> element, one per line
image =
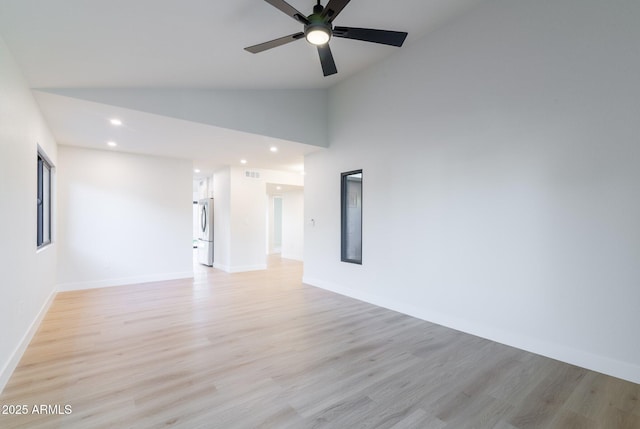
<point x="262" y="350"/>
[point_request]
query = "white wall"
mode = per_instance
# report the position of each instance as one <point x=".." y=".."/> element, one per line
<point x="282" y="177"/>
<point x="293" y="225"/>
<point x="123" y="218"/>
<point x="271" y="249"/>
<point x="222" y="219"/>
<point x="248" y="226"/>
<point x="27" y="276"/>
<point x="501" y="180"/>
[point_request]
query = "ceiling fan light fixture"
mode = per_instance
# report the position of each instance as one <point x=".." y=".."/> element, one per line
<point x="317" y="33"/>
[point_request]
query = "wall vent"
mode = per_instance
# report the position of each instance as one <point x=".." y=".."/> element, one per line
<point x="252" y="174"/>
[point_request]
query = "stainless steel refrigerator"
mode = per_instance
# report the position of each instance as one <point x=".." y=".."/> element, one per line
<point x="205" y="232"/>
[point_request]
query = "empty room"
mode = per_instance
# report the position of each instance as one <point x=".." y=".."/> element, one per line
<point x="320" y="214"/>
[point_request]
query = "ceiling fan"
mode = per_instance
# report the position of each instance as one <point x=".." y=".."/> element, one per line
<point x="318" y="30"/>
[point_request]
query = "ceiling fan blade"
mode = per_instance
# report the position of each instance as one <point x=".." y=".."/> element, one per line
<point x="326" y="60"/>
<point x="289" y="10"/>
<point x="333" y="8"/>
<point x="385" y="37"/>
<point x="274" y="43"/>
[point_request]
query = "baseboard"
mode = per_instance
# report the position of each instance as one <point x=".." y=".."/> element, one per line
<point x="293" y="256"/>
<point x="7" y="371"/>
<point x="584" y="359"/>
<point x="239" y="268"/>
<point x="222" y="267"/>
<point x="65" y="287"/>
<point x="245" y="268"/>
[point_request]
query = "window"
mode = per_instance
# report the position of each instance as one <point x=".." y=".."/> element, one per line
<point x="44" y="201"/>
<point x="351" y="207"/>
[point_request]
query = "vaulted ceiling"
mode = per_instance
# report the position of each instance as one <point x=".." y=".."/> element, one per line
<point x="190" y="44"/>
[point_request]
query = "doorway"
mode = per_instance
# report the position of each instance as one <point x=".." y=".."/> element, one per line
<point x="285" y="221"/>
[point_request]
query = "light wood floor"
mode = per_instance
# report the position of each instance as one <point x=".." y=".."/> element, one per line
<point x="261" y="350"/>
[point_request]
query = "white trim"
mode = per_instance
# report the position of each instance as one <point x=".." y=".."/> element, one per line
<point x="582" y="358"/>
<point x="239" y="268"/>
<point x="65" y="287"/>
<point x="45" y="247"/>
<point x="218" y="266"/>
<point x="294" y="256"/>
<point x="7" y="371"/>
<point x="245" y="268"/>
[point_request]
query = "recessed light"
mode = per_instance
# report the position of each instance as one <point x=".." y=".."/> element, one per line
<point x="273" y="149"/>
<point x="112" y="144"/>
<point x="279" y="188"/>
<point x="243" y="161"/>
<point x="197" y="170"/>
<point x="116" y="122"/>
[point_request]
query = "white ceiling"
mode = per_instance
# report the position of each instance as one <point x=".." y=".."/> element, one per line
<point x="188" y="44"/>
<point x="78" y="122"/>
